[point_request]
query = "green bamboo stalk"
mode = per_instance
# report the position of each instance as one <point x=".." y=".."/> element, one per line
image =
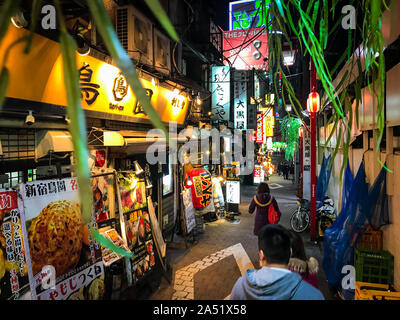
<point x="160" y="14"/>
<point x="36" y="10"/>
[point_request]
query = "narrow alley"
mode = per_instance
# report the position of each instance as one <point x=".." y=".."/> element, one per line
<point x="208" y="269"/>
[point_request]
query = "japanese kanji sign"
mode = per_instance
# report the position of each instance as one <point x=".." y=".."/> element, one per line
<point x="233" y="191"/>
<point x="57" y="237"/>
<point x="240" y="99"/>
<point x="220" y="88"/>
<point x="13" y="273"/>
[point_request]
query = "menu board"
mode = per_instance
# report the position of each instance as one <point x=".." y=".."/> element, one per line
<point x="132" y="191"/>
<point x="13" y="271"/>
<point x="190" y="220"/>
<point x="139" y="238"/>
<point x="110" y="256"/>
<point x="60" y="250"/>
<point x="103" y="196"/>
<point x="233" y="191"/>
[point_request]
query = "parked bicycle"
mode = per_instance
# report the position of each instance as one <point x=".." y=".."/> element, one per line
<point x="325" y="215"/>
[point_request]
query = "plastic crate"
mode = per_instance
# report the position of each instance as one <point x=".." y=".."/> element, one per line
<point x="371" y="239"/>
<point x="374" y="291"/>
<point x="373" y="266"/>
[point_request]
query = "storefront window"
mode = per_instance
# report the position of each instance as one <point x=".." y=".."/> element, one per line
<point x="168" y="181"/>
<point x="16" y="177"/>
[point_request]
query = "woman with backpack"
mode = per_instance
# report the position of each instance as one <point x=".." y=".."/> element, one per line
<point x="267" y="208"/>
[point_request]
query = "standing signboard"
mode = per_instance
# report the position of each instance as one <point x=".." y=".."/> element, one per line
<point x="190" y="221"/>
<point x="135" y="226"/>
<point x="57" y="237"/>
<point x="233" y="191"/>
<point x="13" y="271"/>
<point x="258" y="174"/>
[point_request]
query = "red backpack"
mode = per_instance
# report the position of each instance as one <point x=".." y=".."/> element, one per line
<point x="273" y="216"/>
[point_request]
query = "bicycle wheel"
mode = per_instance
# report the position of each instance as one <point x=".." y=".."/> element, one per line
<point x="299" y="221"/>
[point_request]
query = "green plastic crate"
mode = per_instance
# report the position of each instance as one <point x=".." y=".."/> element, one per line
<point x="373" y="266"/>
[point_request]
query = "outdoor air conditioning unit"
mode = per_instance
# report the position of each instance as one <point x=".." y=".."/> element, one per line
<point x="52" y="141"/>
<point x="162" y="52"/>
<point x="135" y="33"/>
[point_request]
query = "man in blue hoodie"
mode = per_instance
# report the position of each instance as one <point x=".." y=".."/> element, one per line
<point x="273" y="281"/>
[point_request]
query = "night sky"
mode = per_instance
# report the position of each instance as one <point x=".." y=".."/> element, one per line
<point x="223" y="13"/>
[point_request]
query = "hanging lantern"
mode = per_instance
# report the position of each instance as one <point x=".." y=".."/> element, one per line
<point x="313" y="102"/>
<point x="199" y="181"/>
<point x="301" y="132"/>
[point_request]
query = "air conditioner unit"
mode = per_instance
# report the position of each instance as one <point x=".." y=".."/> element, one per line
<point x="135" y="33"/>
<point x="52" y="141"/>
<point x="162" y="52"/>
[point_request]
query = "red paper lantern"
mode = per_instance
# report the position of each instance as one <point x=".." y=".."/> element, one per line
<point x="313" y="102"/>
<point x="301" y="132"/>
<point x="199" y="181"/>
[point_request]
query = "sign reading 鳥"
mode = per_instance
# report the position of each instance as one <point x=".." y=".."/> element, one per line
<point x="220" y="88"/>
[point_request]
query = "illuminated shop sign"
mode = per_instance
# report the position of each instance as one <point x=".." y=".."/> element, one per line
<point x="269" y="121"/>
<point x="278" y="145"/>
<point x="220" y="88"/>
<point x="103" y="87"/>
<point x="249" y="56"/>
<point x="248" y="14"/>
<point x="260" y="136"/>
<point x="240" y="99"/>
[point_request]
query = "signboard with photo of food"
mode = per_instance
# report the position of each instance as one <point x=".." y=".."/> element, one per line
<point x="132" y="191"/>
<point x="140" y="241"/>
<point x="110" y="256"/>
<point x="13" y="270"/>
<point x="103" y="196"/>
<point x="57" y="237"/>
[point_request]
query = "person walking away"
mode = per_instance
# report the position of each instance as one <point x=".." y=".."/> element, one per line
<point x="306" y="268"/>
<point x="286" y="171"/>
<point x="273" y="281"/>
<point x="261" y="201"/>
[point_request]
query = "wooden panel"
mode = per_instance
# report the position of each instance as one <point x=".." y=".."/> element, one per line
<point x="393" y="97"/>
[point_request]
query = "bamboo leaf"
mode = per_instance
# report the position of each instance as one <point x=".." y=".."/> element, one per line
<point x="124" y="62"/>
<point x="77" y="125"/>
<point x="109" y="244"/>
<point x="36" y="10"/>
<point x="159" y="12"/>
<point x="280" y="7"/>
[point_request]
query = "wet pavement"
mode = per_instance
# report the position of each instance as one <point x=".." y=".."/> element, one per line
<point x="208" y="268"/>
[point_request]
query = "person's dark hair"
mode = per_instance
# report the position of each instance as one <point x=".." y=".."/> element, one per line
<point x="297" y="245"/>
<point x="274" y="241"/>
<point x="263" y="188"/>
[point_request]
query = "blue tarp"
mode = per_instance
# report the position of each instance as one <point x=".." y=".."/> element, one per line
<point x="323" y="180"/>
<point x="360" y="207"/>
<point x="347" y="183"/>
<point x="339" y="238"/>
